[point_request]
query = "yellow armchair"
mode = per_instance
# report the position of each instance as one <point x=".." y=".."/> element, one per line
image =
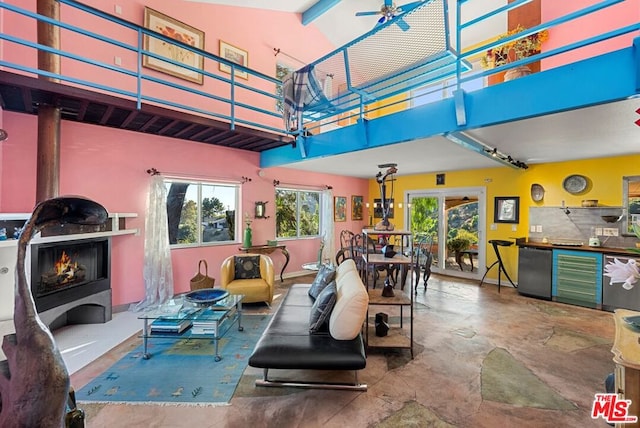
<point x="254" y="290"/>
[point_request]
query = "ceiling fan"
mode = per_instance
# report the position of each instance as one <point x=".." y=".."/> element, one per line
<point x="388" y="10"/>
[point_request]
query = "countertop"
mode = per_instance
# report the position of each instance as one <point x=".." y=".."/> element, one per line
<point x="604" y="250"/>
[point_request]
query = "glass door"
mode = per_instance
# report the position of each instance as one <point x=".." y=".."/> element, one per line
<point x="448" y="223"/>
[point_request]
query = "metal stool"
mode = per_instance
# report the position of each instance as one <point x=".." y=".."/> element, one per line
<point x="496" y="243"/>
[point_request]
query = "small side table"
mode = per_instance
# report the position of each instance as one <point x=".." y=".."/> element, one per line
<point x="268" y="249"/>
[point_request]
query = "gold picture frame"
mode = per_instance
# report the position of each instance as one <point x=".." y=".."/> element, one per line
<point x="356" y="207"/>
<point x="340" y="208"/>
<point x="236" y="55"/>
<point x="169" y="27"/>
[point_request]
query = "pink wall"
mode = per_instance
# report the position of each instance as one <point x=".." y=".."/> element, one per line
<point x="614" y="17"/>
<point x="109" y="165"/>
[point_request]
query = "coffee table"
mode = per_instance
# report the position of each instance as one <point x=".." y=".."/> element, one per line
<point x="210" y="321"/>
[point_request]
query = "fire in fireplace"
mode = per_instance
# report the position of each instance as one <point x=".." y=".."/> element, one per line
<point x="72" y="278"/>
<point x="64" y="271"/>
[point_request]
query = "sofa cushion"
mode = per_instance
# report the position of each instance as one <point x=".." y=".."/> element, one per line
<point x="247" y="267"/>
<point x="322" y="307"/>
<point x="350" y="310"/>
<point x="325" y="275"/>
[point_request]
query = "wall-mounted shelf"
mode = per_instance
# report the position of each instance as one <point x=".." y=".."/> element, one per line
<point x="115" y="226"/>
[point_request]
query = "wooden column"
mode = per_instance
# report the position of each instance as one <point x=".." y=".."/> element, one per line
<point x="49" y="35"/>
<point x="48" y="164"/>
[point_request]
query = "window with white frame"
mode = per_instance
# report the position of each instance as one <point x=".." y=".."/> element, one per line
<point x="297" y="213"/>
<point x="202" y="213"/>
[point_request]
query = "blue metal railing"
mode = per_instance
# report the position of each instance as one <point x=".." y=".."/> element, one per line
<point x="228" y="104"/>
<point x="247" y="103"/>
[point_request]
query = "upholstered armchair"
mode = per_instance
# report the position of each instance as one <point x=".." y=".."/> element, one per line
<point x="248" y="274"/>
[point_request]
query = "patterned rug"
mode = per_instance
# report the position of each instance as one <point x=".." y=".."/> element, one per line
<point x="179" y="371"/>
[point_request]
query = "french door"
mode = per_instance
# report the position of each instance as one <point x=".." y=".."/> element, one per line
<point x="450" y="224"/>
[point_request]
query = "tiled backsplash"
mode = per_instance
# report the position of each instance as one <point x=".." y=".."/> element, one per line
<point x="576" y="224"/>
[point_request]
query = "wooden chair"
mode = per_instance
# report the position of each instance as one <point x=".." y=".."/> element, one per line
<point x="346" y="238"/>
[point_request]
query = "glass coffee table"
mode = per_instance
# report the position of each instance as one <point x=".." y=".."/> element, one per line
<point x="180" y="319"/>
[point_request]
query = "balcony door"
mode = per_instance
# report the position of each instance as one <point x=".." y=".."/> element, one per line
<point x="450" y="223"/>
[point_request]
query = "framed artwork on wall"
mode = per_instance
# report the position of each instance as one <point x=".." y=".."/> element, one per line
<point x="235" y="55"/>
<point x="340" y="208"/>
<point x="356" y="207"/>
<point x="174" y="29"/>
<point x="506" y="209"/>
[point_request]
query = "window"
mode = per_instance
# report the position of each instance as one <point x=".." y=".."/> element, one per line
<point x="297" y="213"/>
<point x="201" y="213"/>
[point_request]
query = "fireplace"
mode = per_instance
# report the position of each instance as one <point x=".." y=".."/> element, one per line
<point x="70" y="281"/>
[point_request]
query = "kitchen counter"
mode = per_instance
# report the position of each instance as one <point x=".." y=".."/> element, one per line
<point x="603" y="250"/>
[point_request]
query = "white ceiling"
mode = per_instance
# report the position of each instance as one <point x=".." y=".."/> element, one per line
<point x="605" y="130"/>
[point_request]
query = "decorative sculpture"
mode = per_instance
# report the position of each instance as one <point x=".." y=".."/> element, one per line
<point x="381" y="178"/>
<point x="34" y="381"/>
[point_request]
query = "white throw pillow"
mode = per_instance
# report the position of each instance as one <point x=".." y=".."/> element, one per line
<point x="350" y="310"/>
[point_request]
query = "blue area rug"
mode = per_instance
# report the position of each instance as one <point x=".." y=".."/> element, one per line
<point x="181" y="371"/>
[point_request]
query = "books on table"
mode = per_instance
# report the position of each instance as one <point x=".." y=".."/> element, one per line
<point x="170" y="325"/>
<point x="207" y="322"/>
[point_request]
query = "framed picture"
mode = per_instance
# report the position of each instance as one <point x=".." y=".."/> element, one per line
<point x="339" y="208"/>
<point x="236" y="55"/>
<point x="506" y="209"/>
<point x="167" y="26"/>
<point x="356" y="207"/>
<point x="377" y="208"/>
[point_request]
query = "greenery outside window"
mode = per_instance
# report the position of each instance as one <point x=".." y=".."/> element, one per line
<point x="297" y="213"/>
<point x="201" y="213"/>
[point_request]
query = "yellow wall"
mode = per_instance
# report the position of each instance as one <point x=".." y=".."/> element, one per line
<point x="605" y="185"/>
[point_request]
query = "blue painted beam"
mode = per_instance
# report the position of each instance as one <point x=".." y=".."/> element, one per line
<point x="606" y="78"/>
<point x="315" y="11"/>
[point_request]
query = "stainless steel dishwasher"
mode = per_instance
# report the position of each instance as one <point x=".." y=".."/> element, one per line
<point x="613" y="295"/>
<point x="534" y="272"/>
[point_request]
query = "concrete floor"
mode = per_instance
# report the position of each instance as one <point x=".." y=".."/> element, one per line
<point x="481" y="359"/>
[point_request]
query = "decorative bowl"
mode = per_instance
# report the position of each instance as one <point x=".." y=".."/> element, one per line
<point x="206" y="296"/>
<point x="589" y="203"/>
<point x="575" y="184"/>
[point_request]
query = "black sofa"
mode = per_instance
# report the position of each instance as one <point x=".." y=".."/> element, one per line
<point x="287" y="344"/>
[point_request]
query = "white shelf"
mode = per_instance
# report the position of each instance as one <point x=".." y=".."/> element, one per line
<point x="115" y="226"/>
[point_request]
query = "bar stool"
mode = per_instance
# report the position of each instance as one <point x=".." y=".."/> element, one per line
<point x="498" y="243"/>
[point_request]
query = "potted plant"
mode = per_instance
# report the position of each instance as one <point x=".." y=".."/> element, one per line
<point x="515" y="50"/>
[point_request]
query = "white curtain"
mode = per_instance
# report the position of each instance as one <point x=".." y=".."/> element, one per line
<point x="157" y="270"/>
<point x="328" y="226"/>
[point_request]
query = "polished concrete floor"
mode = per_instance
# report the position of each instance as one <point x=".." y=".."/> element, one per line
<point x="481" y="359"/>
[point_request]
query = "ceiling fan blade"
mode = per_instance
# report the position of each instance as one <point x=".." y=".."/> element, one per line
<point x="388" y="3"/>
<point x="382" y="20"/>
<point x="367" y="13"/>
<point x="402" y="24"/>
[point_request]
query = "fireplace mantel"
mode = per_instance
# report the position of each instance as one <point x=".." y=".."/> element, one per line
<point x="116" y="227"/>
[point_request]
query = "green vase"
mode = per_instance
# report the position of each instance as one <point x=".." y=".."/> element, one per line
<point x="247" y="238"/>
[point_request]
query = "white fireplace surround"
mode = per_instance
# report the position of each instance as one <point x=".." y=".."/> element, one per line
<point x="8" y="257"/>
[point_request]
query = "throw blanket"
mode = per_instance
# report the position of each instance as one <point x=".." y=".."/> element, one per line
<point x="302" y="91"/>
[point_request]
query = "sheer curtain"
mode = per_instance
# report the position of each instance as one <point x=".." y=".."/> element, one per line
<point x="328" y="226"/>
<point x="157" y="270"/>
